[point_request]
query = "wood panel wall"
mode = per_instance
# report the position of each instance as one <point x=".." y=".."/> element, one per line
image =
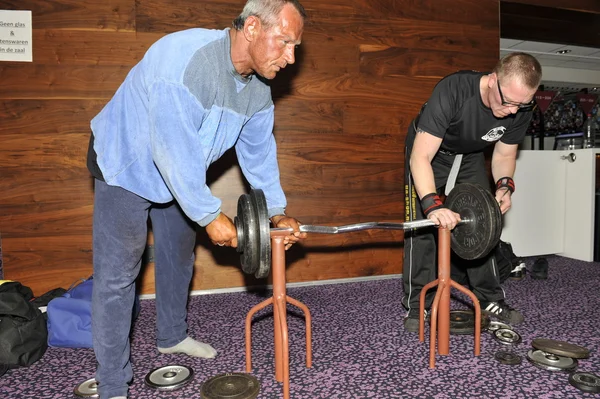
<point x="362" y="72"/>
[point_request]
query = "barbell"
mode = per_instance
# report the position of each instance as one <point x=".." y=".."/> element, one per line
<point x="474" y="237"/>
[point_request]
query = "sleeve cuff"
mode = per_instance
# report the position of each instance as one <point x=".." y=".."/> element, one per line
<point x="209" y="218"/>
<point x="276" y="211"/>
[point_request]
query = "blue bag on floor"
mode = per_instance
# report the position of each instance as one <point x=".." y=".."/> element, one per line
<point x="70" y="317"/>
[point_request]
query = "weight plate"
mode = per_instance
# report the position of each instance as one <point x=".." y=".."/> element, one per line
<point x="87" y="389"/>
<point x="496" y="221"/>
<point x="495" y="325"/>
<point x="263" y="231"/>
<point x="246" y="226"/>
<point x="462" y="322"/>
<point x="169" y="378"/>
<point x="507" y="337"/>
<point x="550" y="361"/>
<point x="560" y="348"/>
<point x="508" y="358"/>
<point x="230" y="386"/>
<point x="586" y="382"/>
<point x="476" y="238"/>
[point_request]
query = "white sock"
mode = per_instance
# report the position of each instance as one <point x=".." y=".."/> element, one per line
<point x="191" y="347"/>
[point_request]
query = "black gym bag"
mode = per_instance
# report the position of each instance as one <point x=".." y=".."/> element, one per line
<point x="23" y="331"/>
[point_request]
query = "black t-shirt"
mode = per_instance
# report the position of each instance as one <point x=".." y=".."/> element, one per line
<point x="455" y="113"/>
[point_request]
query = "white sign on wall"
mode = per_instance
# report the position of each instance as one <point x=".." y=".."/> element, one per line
<point x="15" y="36"/>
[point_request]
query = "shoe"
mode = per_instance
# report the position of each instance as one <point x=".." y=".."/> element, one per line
<point x="411" y="320"/>
<point x="501" y="311"/>
<point x="519" y="269"/>
<point x="539" y="270"/>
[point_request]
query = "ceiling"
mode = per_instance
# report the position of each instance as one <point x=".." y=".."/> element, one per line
<point x="577" y="68"/>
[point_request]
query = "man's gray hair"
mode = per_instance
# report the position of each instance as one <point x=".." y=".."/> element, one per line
<point x="266" y="10"/>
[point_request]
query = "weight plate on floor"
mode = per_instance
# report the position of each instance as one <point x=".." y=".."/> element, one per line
<point x="462" y="322"/>
<point x="586" y="382"/>
<point x="507" y="358"/>
<point x="550" y="361"/>
<point x="496" y="325"/>
<point x="169" y="378"/>
<point x="476" y="238"/>
<point x="560" y="348"/>
<point x="261" y="210"/>
<point x="230" y="386"/>
<point x="246" y="224"/>
<point x="87" y="389"/>
<point x="507" y="337"/>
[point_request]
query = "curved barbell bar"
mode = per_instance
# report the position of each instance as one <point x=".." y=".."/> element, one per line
<point x="349" y="228"/>
<point x="477" y="207"/>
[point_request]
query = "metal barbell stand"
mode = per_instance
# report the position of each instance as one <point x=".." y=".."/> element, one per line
<point x="440" y="323"/>
<point x="279" y="300"/>
<point x="440" y="310"/>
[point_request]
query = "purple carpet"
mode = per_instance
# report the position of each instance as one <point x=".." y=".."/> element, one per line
<point x="360" y="349"/>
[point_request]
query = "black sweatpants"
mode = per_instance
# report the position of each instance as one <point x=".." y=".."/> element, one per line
<point x="420" y="245"/>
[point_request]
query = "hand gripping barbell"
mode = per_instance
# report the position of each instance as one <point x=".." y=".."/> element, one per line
<point x="474" y="237"/>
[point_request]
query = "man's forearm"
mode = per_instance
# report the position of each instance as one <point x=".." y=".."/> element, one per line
<point x="422" y="174"/>
<point x="503" y="166"/>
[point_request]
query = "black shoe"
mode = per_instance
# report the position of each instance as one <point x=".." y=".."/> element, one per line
<point x="501" y="311"/>
<point x="411" y="320"/>
<point x="539" y="270"/>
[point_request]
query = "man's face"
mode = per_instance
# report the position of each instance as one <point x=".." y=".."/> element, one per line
<point x="273" y="48"/>
<point x="509" y="96"/>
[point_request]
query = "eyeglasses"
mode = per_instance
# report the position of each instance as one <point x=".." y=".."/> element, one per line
<point x="521" y="106"/>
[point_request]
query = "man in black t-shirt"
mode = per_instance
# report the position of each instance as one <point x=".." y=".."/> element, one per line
<point x="466" y="112"/>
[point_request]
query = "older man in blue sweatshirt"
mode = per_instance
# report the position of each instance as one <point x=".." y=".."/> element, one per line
<point x="194" y="95"/>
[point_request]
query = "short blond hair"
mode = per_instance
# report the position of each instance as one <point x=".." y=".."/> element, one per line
<point x="521" y="66"/>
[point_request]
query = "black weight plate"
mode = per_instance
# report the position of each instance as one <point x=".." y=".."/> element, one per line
<point x="497" y="221"/>
<point x="246" y="225"/>
<point x="480" y="206"/>
<point x="507" y="336"/>
<point x="476" y="238"/>
<point x="509" y="358"/>
<point x="259" y="204"/>
<point x="462" y="322"/>
<point x="561" y="348"/>
<point x="586" y="382"/>
<point x="550" y="361"/>
<point x="230" y="386"/>
<point x="169" y="378"/>
<point x="497" y="217"/>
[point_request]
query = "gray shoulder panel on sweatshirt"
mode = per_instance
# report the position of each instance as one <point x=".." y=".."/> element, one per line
<point x="212" y="79"/>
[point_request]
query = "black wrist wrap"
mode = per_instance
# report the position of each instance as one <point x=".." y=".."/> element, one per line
<point x="506" y="182"/>
<point x="430" y="203"/>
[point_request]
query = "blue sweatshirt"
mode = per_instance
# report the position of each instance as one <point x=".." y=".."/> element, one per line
<point x="178" y="111"/>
